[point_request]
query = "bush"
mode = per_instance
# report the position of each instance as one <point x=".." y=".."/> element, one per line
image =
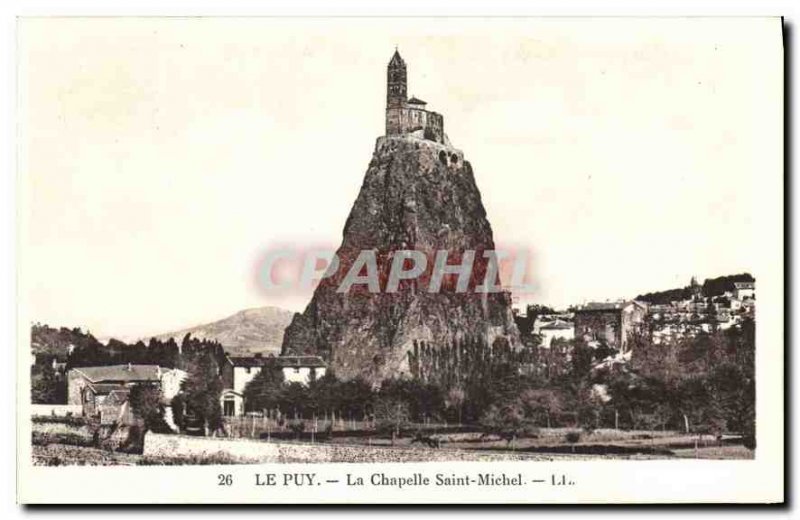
<point x="508" y="422"/>
<point x="72" y="439"/>
<point x="146" y="403"/>
<point x="297" y="427"/>
<point x="572" y="437"/>
<point x="193" y="460"/>
<point x="68" y="420"/>
<point x="134" y="440"/>
<point x="532" y="432"/>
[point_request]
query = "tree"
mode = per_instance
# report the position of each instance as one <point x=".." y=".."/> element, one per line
<point x="163" y="354"/>
<point x="603" y="351"/>
<point x="47" y="386"/>
<point x="455" y="400"/>
<point x="508" y="421"/>
<point x="392" y="415"/>
<point x="147" y="404"/>
<point x="424" y="400"/>
<point x="540" y="405"/>
<point x="581" y="360"/>
<point x="324" y="391"/>
<point x="355" y="398"/>
<point x="265" y="390"/>
<point x="202" y="389"/>
<point x="295" y="400"/>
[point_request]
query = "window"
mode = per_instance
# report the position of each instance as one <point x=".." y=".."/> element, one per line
<point x="247" y="369"/>
<point x="296" y="370"/>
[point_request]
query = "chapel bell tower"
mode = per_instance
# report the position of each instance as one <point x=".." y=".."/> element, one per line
<point x="396" y="82"/>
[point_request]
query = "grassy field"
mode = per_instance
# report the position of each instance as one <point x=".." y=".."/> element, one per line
<point x="715" y="452"/>
<point x="63" y="444"/>
<point x="67" y="455"/>
<point x="606" y="443"/>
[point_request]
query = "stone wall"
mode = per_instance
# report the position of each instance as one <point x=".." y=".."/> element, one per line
<point x="430" y="152"/>
<point x="249" y="450"/>
<point x="407" y="119"/>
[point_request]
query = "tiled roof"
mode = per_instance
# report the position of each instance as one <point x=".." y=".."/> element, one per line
<point x="104" y="388"/>
<point x="301" y="361"/>
<point x="282" y="361"/>
<point x="120" y="373"/>
<point x="416" y="101"/>
<point x="396" y="59"/>
<point x="609" y="306"/>
<point x="250" y="361"/>
<point x="602" y="306"/>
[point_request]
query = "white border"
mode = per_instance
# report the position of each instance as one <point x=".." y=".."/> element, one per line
<point x="283" y="8"/>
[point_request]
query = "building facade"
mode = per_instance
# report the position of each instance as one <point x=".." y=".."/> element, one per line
<point x="744" y="290"/>
<point x="408" y="116"/>
<point x="557" y="329"/>
<point x="238" y="371"/>
<point x="609" y="322"/>
<point x="104" y="390"/>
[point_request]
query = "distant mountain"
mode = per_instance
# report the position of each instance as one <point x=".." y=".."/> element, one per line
<point x="247" y="332"/>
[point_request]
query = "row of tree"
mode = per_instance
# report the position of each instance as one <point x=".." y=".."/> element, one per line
<point x="76" y="348"/>
<point x="704" y="383"/>
<point x="699" y="384"/>
<point x="711" y="287"/>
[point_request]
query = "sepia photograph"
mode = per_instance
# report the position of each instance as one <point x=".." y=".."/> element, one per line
<point x="506" y="244"/>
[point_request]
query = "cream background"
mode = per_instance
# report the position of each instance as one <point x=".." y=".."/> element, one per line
<point x="163" y="156"/>
<point x="757" y="175"/>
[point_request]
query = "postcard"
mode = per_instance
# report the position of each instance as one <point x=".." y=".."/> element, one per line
<point x="400" y="260"/>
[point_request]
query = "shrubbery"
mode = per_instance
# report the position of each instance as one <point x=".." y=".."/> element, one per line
<point x="704" y="384"/>
<point x="71" y="439"/>
<point x="56" y="419"/>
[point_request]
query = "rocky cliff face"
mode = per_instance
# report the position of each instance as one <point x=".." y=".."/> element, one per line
<point x="421" y="195"/>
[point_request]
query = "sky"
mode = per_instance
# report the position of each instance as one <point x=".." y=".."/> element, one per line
<point x="159" y="159"/>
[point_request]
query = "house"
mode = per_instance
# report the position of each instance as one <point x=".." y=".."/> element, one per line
<point x="611" y="322"/>
<point x="237" y="371"/>
<point x="101" y="381"/>
<point x="555" y="329"/>
<point x="744" y="290"/>
<point x="104" y="390"/>
<point x="302" y="369"/>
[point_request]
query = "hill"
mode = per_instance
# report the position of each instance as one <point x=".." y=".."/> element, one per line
<point x="421" y="194"/>
<point x="49" y="343"/>
<point x="247" y="332"/>
<point x="710" y="287"/>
